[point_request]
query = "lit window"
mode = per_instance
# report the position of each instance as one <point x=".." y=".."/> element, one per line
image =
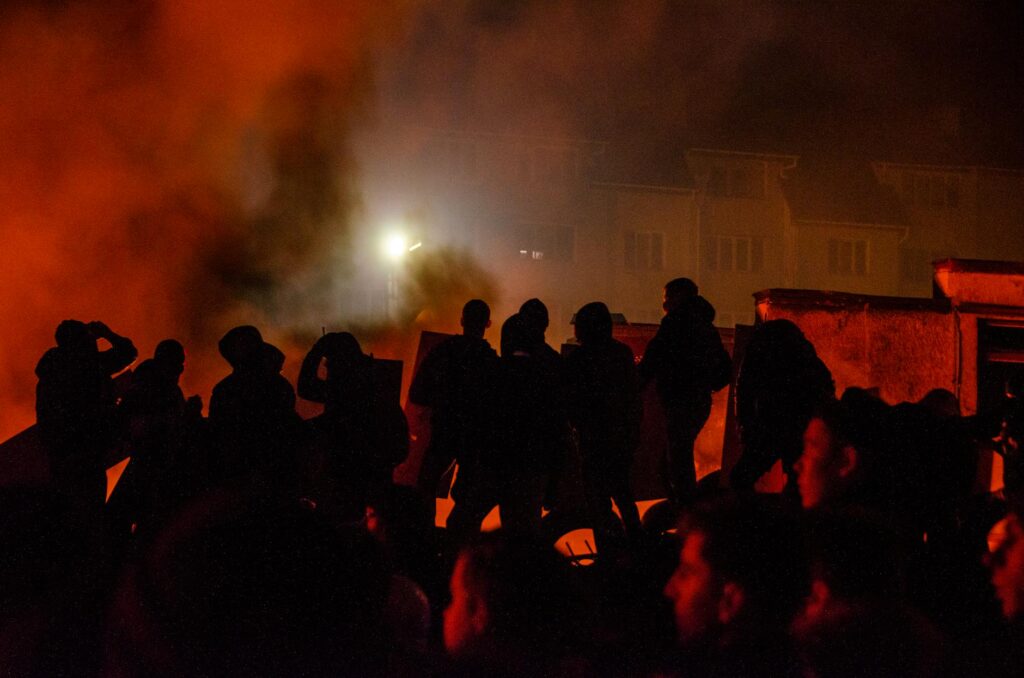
<point x="545" y="242"/>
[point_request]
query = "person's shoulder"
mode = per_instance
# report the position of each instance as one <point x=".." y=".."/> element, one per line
<point x="675" y="321"/>
<point x="49" y="362"/>
<point x="450" y="347"/>
<point x="576" y="355"/>
<point x="474" y="347"/>
<point x="622" y="352"/>
<point x="227" y="384"/>
<point x="621" y="347"/>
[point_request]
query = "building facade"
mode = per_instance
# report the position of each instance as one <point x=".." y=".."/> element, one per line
<point x="567" y="221"/>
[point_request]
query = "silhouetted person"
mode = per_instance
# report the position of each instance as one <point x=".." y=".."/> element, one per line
<point x="935" y="465"/>
<point x="603" y="399"/>
<point x="75" y="408"/>
<point x="77" y="422"/>
<point x="845" y="460"/>
<point x="687" y="363"/>
<point x="252" y="417"/>
<point x="535" y="314"/>
<point x="154" y="384"/>
<point x="49" y="605"/>
<point x="256" y="586"/>
<point x="934" y="462"/>
<point x="532" y="426"/>
<point x="780" y="384"/>
<point x="856" y="621"/>
<point x="512" y="611"/>
<point x="360" y="437"/>
<point x="402" y="520"/>
<point x="740" y="581"/>
<point x="162" y="430"/>
<point x="457" y="382"/>
<point x="1007" y="565"/>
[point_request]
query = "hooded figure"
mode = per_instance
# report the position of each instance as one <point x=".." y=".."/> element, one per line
<point x="687" y="363"/>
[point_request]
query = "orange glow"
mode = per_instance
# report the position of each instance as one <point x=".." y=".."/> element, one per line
<point x="125" y="132"/>
<point x="114" y="474"/>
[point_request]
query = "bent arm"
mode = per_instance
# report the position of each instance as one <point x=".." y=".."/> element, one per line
<point x="310" y="385"/>
<point x="122" y="351"/>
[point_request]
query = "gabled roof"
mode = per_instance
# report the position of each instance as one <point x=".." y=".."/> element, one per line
<point x="842" y="192"/>
<point x="644" y="165"/>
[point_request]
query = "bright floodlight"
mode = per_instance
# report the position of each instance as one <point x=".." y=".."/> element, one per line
<point x="395" y="246"/>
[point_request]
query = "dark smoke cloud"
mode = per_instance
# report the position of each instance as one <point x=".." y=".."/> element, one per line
<point x="173" y="168"/>
<point x="177" y="166"/>
<point x="784" y="74"/>
<point x="918" y="81"/>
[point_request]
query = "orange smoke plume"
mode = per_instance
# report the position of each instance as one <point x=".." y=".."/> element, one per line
<point x="167" y="165"/>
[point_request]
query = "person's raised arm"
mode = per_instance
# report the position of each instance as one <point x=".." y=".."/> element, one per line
<point x="122" y="351"/>
<point x="310" y="386"/>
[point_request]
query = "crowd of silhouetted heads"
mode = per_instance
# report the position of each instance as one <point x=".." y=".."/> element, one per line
<point x="253" y="542"/>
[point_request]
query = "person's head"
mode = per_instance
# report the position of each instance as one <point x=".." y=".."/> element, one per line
<point x="536" y="315"/>
<point x="677" y="291"/>
<point x="942" y="402"/>
<point x="242" y="347"/>
<point x="741" y="573"/>
<point x="507" y="591"/>
<point x="1006" y="565"/>
<point x="74" y="335"/>
<point x="517" y="335"/>
<point x="343" y="353"/>
<point x="841" y="453"/>
<point x="476" y="317"/>
<point x="273" y="358"/>
<point x="593" y="323"/>
<point x="780" y="336"/>
<point x="170" y="354"/>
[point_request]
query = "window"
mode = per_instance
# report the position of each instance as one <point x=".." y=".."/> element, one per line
<point x="931" y="189"/>
<point x="644" y="251"/>
<point x="847" y="257"/>
<point x="736" y="182"/>
<point x="547" y="243"/>
<point x="733" y="253"/>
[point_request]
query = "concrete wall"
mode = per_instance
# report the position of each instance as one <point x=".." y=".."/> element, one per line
<point x="904" y="348"/>
<point x="981" y="282"/>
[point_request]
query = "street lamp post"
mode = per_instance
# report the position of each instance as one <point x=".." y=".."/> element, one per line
<point x="396" y="247"/>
